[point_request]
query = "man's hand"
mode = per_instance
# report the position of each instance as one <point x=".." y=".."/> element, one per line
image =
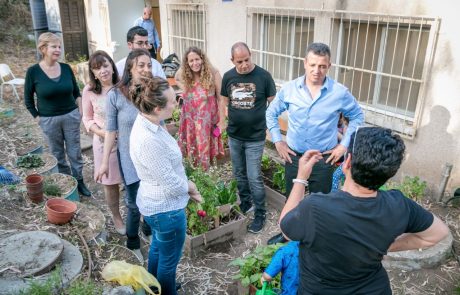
<point x="284" y="151"/>
<point x="336" y="153"/>
<point x="306" y="163"/>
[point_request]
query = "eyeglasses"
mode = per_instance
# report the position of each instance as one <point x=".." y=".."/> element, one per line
<point x="140" y="43"/>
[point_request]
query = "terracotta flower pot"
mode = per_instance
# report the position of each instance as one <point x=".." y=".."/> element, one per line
<point x="60" y="211"/>
<point x="34" y="185"/>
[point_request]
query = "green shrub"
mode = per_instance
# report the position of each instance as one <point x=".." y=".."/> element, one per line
<point x="51" y="189"/>
<point x="30" y="161"/>
<point x="412" y="187"/>
<point x="279" y="179"/>
<point x="253" y="265"/>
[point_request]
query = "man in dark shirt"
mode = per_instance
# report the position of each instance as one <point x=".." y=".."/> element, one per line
<point x="246" y="89"/>
<point x="344" y="235"/>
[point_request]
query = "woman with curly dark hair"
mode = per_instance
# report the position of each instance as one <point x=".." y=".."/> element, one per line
<point x="199" y="137"/>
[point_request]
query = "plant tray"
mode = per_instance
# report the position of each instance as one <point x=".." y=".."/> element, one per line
<point x="225" y="232"/>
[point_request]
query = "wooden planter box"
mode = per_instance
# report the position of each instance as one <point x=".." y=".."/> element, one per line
<point x="223" y="233"/>
<point x="274" y="198"/>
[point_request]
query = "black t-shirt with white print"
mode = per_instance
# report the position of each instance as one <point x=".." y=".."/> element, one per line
<point x="247" y="95"/>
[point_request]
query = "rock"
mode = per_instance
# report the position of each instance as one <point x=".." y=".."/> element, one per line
<point x="122" y="290"/>
<point x="418" y="259"/>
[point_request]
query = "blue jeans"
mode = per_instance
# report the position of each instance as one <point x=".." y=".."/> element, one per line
<point x="246" y="161"/>
<point x="166" y="248"/>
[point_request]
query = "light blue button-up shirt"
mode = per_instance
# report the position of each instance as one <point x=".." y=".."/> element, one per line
<point x="313" y="121"/>
<point x="148" y="24"/>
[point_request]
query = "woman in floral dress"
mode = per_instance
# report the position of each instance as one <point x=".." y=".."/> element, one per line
<point x="199" y="137"/>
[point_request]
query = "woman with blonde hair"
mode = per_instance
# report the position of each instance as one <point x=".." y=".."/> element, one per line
<point x="103" y="76"/>
<point x="58" y="108"/>
<point x="164" y="188"/>
<point x="199" y="137"/>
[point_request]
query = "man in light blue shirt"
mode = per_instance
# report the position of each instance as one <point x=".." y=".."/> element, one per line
<point x="314" y="103"/>
<point x="146" y="22"/>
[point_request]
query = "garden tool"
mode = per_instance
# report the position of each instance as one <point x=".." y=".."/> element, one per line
<point x="7" y="177"/>
<point x="265" y="291"/>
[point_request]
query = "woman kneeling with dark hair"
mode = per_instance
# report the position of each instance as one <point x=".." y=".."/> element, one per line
<point x="164" y="188"/>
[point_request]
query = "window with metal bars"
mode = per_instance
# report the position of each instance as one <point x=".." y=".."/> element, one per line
<point x="382" y="59"/>
<point x="281" y="43"/>
<point x="187" y="27"/>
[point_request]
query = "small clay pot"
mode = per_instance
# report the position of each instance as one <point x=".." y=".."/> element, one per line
<point x="34" y="185"/>
<point x="60" y="211"/>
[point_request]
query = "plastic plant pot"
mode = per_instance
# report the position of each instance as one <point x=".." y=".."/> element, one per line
<point x="60" y="211"/>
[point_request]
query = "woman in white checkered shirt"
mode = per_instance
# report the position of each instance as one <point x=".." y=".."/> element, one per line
<point x="164" y="188"/>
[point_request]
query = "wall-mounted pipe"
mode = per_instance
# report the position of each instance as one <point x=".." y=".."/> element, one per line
<point x="445" y="178"/>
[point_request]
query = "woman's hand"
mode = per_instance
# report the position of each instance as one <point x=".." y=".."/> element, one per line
<point x="103" y="170"/>
<point x="306" y="163"/>
<point x="194" y="193"/>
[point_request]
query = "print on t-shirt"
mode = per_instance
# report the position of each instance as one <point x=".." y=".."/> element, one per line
<point x="243" y="95"/>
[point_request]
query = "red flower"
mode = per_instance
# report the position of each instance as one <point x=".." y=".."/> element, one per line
<point x="201" y="213"/>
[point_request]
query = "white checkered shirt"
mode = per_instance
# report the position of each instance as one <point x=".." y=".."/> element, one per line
<point x="158" y="161"/>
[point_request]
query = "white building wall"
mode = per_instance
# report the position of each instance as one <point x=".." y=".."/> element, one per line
<point x="437" y="140"/>
<point x="122" y="15"/>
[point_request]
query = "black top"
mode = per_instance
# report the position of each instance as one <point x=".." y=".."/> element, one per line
<point x="247" y="95"/>
<point x="343" y="239"/>
<point x="54" y="98"/>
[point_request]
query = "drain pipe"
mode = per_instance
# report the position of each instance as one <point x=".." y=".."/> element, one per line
<point x="445" y="178"/>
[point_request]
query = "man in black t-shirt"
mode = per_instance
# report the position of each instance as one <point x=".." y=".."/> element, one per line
<point x="246" y="89"/>
<point x="344" y="235"/>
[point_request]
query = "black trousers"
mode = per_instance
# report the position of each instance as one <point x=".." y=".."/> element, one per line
<point x="320" y="179"/>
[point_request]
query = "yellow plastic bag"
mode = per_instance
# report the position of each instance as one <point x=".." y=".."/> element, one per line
<point x="129" y="274"/>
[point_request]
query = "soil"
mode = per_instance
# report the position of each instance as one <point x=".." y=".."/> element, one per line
<point x="209" y="272"/>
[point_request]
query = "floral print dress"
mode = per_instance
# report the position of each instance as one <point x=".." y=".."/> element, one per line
<point x="198" y="119"/>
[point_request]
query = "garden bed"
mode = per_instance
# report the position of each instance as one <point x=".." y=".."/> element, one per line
<point x="230" y="228"/>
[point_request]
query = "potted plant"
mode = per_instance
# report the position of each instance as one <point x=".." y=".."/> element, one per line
<point x="172" y="125"/>
<point x="253" y="265"/>
<point x="217" y="218"/>
<point x="37" y="164"/>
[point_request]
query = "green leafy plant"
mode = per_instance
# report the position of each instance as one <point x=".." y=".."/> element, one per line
<point x="412" y="187"/>
<point x="253" y="265"/>
<point x="226" y="194"/>
<point x="176" y="116"/>
<point x="51" y="189"/>
<point x="50" y="286"/>
<point x="266" y="162"/>
<point x="30" y="161"/>
<point x="279" y="178"/>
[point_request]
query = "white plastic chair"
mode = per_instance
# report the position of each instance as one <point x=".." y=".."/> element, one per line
<point x="7" y="78"/>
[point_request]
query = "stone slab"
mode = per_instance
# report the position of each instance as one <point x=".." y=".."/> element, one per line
<point x="32" y="253"/>
<point x="418" y="259"/>
<point x="71" y="264"/>
<point x="86" y="141"/>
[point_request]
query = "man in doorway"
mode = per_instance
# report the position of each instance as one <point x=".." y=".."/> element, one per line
<point x="344" y="235"/>
<point x="146" y="22"/>
<point x="246" y="90"/>
<point x="137" y="38"/>
<point x="314" y="103"/>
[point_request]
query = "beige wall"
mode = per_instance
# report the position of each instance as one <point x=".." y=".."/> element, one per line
<point x="438" y="136"/>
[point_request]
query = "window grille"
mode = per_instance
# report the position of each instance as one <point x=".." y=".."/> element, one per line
<point x="279" y="41"/>
<point x="384" y="60"/>
<point x="187" y="27"/>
